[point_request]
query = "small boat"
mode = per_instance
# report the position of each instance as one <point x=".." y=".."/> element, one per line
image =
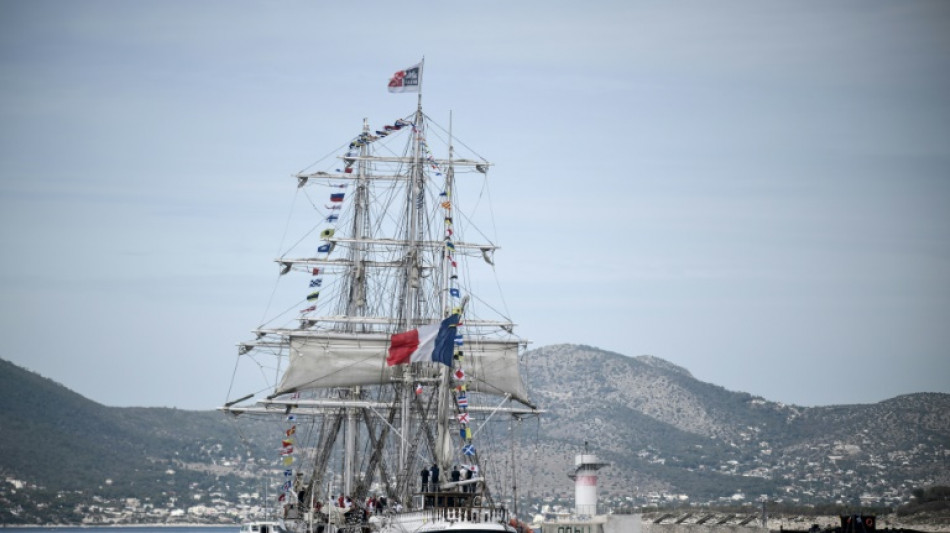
<point x="263" y="526"/>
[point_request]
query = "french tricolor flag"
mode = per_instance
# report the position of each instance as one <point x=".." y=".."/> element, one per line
<point x="432" y="342"/>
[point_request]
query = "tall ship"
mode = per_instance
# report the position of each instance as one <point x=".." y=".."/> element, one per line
<point x="391" y="372"/>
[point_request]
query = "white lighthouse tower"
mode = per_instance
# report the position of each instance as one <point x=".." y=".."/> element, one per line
<point x="585" y="483"/>
<point x="586" y="517"/>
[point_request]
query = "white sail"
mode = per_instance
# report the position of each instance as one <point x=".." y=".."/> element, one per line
<point x="336" y="360"/>
<point x="353" y="360"/>
<point x="494" y="368"/>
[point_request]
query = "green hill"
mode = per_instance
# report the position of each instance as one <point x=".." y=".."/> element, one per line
<point x="59" y="442"/>
<point x="669" y="438"/>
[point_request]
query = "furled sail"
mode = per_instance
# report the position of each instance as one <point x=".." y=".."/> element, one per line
<point x="326" y="360"/>
<point x="492" y="367"/>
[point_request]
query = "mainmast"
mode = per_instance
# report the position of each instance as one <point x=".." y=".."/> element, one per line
<point x="415" y="204"/>
<point x="356" y="305"/>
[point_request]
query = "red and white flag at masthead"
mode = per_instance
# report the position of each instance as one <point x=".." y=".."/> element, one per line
<point x="407" y="81"/>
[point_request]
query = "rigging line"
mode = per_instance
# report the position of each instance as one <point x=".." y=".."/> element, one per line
<point x="330" y="295"/>
<point x="294" y="245"/>
<point x="266" y="379"/>
<point x="335" y="150"/>
<point x="396" y="431"/>
<point x="535" y="458"/>
<point x="237" y="361"/>
<point x="329" y="292"/>
<point x="490" y="307"/>
<point x="474" y="226"/>
<point x="270" y="299"/>
<point x="313" y="229"/>
<point x="501" y="294"/>
<point x="437" y="125"/>
<point x="505" y="399"/>
<point x="260" y="367"/>
<point x="385" y="144"/>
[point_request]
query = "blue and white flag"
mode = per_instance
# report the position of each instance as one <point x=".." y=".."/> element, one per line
<point x="468" y="449"/>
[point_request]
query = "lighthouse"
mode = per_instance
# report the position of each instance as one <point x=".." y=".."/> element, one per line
<point x="585" y="483"/>
<point x="585" y="517"/>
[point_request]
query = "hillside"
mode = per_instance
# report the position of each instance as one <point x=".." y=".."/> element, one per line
<point x="669" y="437"/>
<point x="58" y="441"/>
<point x="665" y="431"/>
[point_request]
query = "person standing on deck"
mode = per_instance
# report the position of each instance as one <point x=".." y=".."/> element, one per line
<point x="434" y="478"/>
<point x="425" y="479"/>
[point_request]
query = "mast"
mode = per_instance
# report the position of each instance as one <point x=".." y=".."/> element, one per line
<point x="356" y="302"/>
<point x="410" y="304"/>
<point x="356" y="306"/>
<point x="443" y="440"/>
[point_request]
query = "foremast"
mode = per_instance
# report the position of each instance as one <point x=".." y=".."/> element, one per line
<point x="355" y="283"/>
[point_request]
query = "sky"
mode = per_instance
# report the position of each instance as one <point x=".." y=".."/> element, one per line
<point x="755" y="191"/>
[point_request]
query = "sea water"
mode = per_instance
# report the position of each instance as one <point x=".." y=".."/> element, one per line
<point x="139" y="529"/>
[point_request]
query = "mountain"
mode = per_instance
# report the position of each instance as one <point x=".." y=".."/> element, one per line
<point x="58" y="442"/>
<point x="664" y="431"/>
<point x="667" y="436"/>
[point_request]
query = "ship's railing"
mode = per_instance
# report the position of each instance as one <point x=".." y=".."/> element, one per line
<point x="469" y="514"/>
<point x="479" y="515"/>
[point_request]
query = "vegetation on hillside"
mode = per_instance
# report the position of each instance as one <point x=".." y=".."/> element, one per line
<point x="934" y="499"/>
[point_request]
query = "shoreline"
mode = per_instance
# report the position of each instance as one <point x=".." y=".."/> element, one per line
<point x="138" y="526"/>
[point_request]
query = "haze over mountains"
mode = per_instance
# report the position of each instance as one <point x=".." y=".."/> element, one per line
<point x="668" y="436"/>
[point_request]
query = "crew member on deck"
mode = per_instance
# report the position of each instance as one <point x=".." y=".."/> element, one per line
<point x="425" y="479"/>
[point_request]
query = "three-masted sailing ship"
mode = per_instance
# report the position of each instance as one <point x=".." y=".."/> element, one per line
<point x="397" y="376"/>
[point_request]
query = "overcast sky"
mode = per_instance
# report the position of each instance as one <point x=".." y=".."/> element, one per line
<point x="755" y="191"/>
